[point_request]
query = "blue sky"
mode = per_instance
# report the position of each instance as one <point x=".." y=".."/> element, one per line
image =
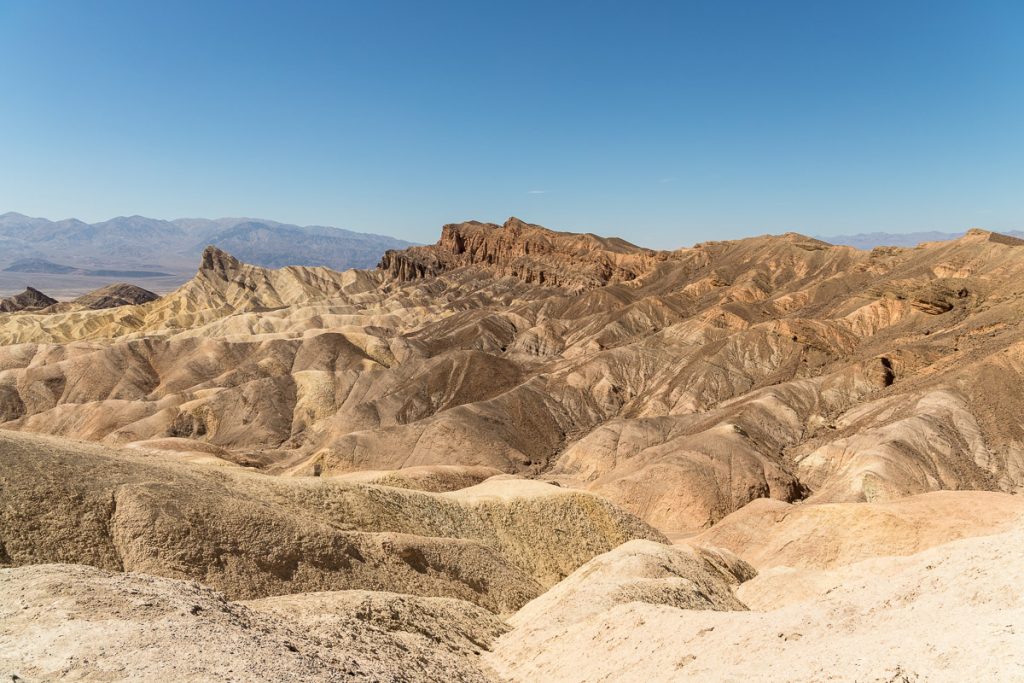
<point x="664" y="123"/>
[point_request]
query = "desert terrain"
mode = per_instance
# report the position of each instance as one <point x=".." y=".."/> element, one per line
<point x="523" y="455"/>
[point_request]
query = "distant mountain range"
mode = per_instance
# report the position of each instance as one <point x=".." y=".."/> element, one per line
<point x="870" y="240"/>
<point x="71" y="256"/>
<point x="38" y="265"/>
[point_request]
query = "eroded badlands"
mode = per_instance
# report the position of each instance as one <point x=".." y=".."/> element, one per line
<point x="521" y="455"/>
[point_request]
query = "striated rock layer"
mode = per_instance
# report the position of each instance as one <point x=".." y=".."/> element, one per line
<point x="530" y="253"/>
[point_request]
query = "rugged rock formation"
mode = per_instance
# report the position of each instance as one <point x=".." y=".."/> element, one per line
<point x="527" y="252"/>
<point x="29" y="300"/>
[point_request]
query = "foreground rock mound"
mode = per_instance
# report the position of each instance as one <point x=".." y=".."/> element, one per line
<point x="638" y="572"/>
<point x="948" y="614"/>
<point x="156" y="629"/>
<point x="641" y="571"/>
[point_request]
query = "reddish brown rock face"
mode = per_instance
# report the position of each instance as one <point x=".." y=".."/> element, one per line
<point x="530" y="253"/>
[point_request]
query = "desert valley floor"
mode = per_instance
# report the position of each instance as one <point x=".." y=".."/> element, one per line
<point x="524" y="455"/>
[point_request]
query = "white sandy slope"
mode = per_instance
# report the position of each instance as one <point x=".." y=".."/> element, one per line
<point x="952" y="613"/>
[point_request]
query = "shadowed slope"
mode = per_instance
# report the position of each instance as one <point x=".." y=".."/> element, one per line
<point x="496" y="544"/>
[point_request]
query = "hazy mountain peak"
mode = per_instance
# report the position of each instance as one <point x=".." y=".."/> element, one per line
<point x="870" y="240"/>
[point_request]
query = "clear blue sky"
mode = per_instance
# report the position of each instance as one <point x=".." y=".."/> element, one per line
<point x="665" y="123"/>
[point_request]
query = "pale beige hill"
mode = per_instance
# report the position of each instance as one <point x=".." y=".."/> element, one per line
<point x="951" y="613"/>
<point x="640" y="571"/>
<point x="75" y="623"/>
<point x="770" y="533"/>
<point x="497" y="544"/>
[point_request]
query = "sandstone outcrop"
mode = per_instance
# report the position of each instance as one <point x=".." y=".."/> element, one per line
<point x="527" y="252"/>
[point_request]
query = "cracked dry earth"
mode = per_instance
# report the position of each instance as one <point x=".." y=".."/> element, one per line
<point x="522" y="455"/>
